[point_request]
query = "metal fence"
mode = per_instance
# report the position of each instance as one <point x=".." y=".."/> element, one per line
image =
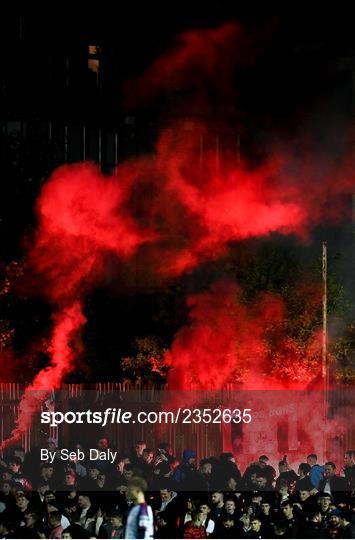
<point x="206" y="439"/>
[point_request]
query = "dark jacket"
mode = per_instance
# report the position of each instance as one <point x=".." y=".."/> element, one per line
<point x="185" y="468"/>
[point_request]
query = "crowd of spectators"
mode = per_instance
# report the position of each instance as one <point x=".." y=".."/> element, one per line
<point x="186" y="498"/>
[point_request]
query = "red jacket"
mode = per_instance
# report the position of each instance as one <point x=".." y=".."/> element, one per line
<point x="194" y="531"/>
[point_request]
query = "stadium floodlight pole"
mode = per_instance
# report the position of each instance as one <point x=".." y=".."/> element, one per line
<point x="325" y="367"/>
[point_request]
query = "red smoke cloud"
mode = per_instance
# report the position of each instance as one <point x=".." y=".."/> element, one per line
<point x="199" y="69"/>
<point x="200" y="61"/>
<point x="189" y="215"/>
<point x="66" y="326"/>
<point x="226" y="342"/>
<point x="174" y="210"/>
<point x="174" y="214"/>
<point x="291" y="422"/>
<point x="82" y="217"/>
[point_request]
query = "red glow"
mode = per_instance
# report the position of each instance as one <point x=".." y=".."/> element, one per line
<point x="200" y="61"/>
<point x="189" y="216"/>
<point x="225" y="343"/>
<point x="180" y="213"/>
<point x="67" y="323"/>
<point x="176" y="209"/>
<point x="82" y="216"/>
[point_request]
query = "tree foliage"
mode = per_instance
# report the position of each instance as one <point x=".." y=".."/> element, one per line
<point x="148" y="363"/>
<point x="259" y="269"/>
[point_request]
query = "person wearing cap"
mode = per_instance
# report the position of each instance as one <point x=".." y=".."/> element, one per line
<point x="326" y="505"/>
<point x="334" y="529"/>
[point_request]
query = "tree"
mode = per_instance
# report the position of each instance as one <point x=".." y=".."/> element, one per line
<point x="342" y="356"/>
<point x="148" y="364"/>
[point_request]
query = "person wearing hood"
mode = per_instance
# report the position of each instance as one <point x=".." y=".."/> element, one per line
<point x="186" y="467"/>
<point x="228" y="468"/>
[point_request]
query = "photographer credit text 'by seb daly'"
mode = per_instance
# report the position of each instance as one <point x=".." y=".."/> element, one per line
<point x="78" y="455"/>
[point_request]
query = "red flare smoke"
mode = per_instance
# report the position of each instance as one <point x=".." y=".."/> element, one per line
<point x="176" y="209"/>
<point x="176" y="212"/>
<point x="200" y="61"/>
<point x="225" y="342"/>
<point x="189" y="216"/>
<point x="67" y="324"/>
<point x="83" y="216"/>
